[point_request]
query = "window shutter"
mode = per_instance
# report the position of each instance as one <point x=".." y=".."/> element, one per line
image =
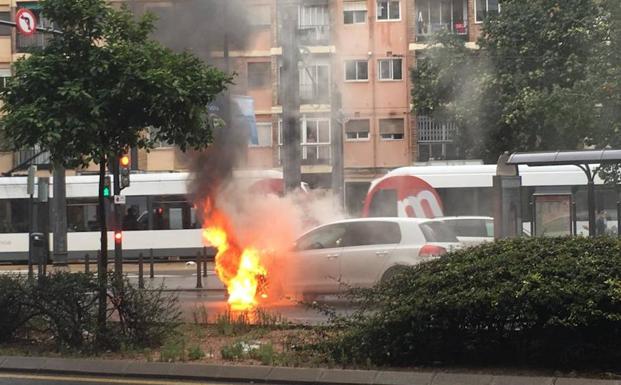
<point x="391" y="126"/>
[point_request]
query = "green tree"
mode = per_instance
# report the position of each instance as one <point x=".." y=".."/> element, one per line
<point x="529" y="88"/>
<point x="96" y="88"/>
<point x="446" y="79"/>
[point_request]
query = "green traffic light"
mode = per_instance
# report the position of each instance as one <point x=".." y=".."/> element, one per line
<point x="106" y="191"/>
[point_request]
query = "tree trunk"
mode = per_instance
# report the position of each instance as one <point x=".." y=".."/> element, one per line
<point x="102" y="263"/>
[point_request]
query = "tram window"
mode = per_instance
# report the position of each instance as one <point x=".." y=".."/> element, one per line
<point x="14" y="216"/>
<point x="82" y="216"/>
<point x="172" y="213"/>
<point x="136" y="214"/>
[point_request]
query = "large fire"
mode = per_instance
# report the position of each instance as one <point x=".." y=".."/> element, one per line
<point x="239" y="268"/>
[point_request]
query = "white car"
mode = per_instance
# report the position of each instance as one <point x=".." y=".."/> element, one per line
<point x="362" y="252"/>
<point x="471" y="230"/>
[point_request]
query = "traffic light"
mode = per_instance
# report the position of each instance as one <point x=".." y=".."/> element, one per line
<point x="107" y="189"/>
<point x="118" y="236"/>
<point x="124" y="170"/>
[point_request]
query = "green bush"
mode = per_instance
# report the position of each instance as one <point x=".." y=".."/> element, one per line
<point x="543" y="302"/>
<point x="15" y="311"/>
<point x="67" y="302"/>
<point x="195" y="353"/>
<point x="146" y="317"/>
<point x="65" y="306"/>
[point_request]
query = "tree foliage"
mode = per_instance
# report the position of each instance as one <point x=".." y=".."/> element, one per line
<point x="94" y="90"/>
<point x="544" y="79"/>
<point x="97" y="88"/>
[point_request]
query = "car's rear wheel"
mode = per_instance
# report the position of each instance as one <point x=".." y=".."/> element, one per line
<point x="392" y="272"/>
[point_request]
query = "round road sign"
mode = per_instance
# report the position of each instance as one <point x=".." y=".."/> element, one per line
<point x="25" y="21"/>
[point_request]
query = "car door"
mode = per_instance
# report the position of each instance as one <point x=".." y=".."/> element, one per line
<point x="315" y="264"/>
<point x="367" y="247"/>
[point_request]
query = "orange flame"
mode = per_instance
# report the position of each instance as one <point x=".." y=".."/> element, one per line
<point x="240" y="269"/>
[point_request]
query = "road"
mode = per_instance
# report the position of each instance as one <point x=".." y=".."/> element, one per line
<point x="32" y="379"/>
<point x="180" y="279"/>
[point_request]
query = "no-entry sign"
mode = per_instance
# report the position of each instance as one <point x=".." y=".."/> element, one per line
<point x="25" y="21"/>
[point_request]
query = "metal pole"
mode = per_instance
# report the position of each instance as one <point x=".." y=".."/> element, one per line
<point x="59" y="215"/>
<point x="199" y="279"/>
<point x="574" y="219"/>
<point x="31" y="217"/>
<point x="204" y="261"/>
<point x="42" y="197"/>
<point x="290" y="96"/>
<point x="140" y="271"/>
<point x="532" y="216"/>
<point x="591" y="206"/>
<point x="32" y="170"/>
<point x="118" y="215"/>
<point x="151" y="261"/>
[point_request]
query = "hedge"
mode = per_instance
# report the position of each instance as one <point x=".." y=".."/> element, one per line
<point x="551" y="302"/>
<point x="63" y="306"/>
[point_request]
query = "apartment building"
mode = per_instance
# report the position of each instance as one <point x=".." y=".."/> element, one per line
<point x="356" y="54"/>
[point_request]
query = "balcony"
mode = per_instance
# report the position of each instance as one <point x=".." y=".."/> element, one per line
<point x="26" y="44"/>
<point x="425" y="31"/>
<point x="433" y="16"/>
<point x="312" y="154"/>
<point x="313" y="35"/>
<point x="24" y="158"/>
<point x="436" y="139"/>
<point x="432" y="131"/>
<point x="314" y="94"/>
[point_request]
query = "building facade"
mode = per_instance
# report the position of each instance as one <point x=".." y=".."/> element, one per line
<point x="356" y="56"/>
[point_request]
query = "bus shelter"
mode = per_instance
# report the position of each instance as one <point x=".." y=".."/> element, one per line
<point x="581" y="159"/>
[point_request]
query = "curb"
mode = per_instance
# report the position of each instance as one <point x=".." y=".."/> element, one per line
<point x="271" y="375"/>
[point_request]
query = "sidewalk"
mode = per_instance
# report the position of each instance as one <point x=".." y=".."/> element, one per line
<point x="272" y="375"/>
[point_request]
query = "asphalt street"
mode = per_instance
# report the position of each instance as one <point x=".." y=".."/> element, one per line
<point x="30" y="379"/>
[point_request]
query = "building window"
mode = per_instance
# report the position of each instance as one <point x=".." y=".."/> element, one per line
<point x="260" y="16"/>
<point x="357" y="129"/>
<point x="355" y="12"/>
<point x="482" y="8"/>
<point x="259" y="75"/>
<point x="5" y="75"/>
<point x="264" y="135"/>
<point x="390" y="69"/>
<point x="316" y="147"/>
<point x="315" y="84"/>
<point x="5" y="30"/>
<point x="391" y="129"/>
<point x="314" y="24"/>
<point x="356" y="70"/>
<point x="433" y="16"/>
<point x="388" y="10"/>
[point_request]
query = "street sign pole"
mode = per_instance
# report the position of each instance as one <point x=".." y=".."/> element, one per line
<point x="32" y="171"/>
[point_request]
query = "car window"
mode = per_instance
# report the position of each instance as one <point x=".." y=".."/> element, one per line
<point x="469" y="228"/>
<point x="437" y="232"/>
<point x="371" y="233"/>
<point x="325" y="237"/>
